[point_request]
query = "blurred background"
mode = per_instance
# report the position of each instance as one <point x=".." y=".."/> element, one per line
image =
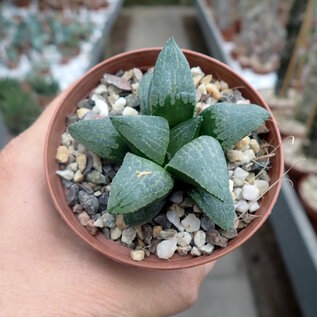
<point x="45" y="45"/>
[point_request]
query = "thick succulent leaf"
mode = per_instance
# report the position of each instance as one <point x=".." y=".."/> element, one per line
<point x="100" y="137"/>
<point x="230" y="122"/>
<point x="183" y="134"/>
<point x="144" y="88"/>
<point x="138" y="183"/>
<point x="202" y="163"/>
<point x="172" y="92"/>
<point x="145" y="214"/>
<point x="222" y="213"/>
<point x="148" y="134"/>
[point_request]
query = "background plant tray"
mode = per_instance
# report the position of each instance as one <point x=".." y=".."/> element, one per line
<point x="293" y="230"/>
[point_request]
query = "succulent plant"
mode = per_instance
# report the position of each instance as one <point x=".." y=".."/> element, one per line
<point x="45" y="86"/>
<point x="168" y="146"/>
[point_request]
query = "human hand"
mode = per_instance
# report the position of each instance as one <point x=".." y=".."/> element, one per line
<point x="45" y="270"/>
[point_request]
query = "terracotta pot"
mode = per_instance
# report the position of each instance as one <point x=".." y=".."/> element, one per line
<point x="144" y="59"/>
<point x="310" y="210"/>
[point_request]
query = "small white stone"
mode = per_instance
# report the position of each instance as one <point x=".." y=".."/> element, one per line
<point x="66" y="174"/>
<point x="196" y="209"/>
<point x="202" y="89"/>
<point x="67" y="139"/>
<point x="234" y="156"/>
<point x="195" y="71"/>
<point x="78" y="177"/>
<point x="262" y="185"/>
<point x="174" y="219"/>
<point x="200" y="238"/>
<point x="238" y="193"/>
<point x="213" y="91"/>
<point x="243" y="144"/>
<point x="250" y="192"/>
<point x="81" y="112"/>
<point x="238" y="182"/>
<point x="197" y="79"/>
<point x="166" y="248"/>
<point x="184" y="250"/>
<point x="242" y="206"/>
<point x="195" y="251"/>
<point x="240" y="173"/>
<point x="183" y="238"/>
<point x="137" y="255"/>
<point x="96" y="162"/>
<point x="180" y="211"/>
<point x="119" y="105"/>
<point x="231" y="185"/>
<point x="81" y="148"/>
<point x="115" y="233"/>
<point x="129" y="111"/>
<point x="83" y="218"/>
<point x="254" y="145"/>
<point x="248" y="156"/>
<point x="102" y="107"/>
<point x="254" y="206"/>
<point x="101" y="89"/>
<point x="191" y="223"/>
<point x="99" y="223"/>
<point x="206" y="249"/>
<point x="72" y="167"/>
<point x="96" y="97"/>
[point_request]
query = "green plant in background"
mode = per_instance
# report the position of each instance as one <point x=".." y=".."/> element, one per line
<point x="309" y="98"/>
<point x="44" y="86"/>
<point x="19" y="109"/>
<point x="168" y="146"/>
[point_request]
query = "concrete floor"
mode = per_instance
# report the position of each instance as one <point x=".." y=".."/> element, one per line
<point x="250" y="281"/>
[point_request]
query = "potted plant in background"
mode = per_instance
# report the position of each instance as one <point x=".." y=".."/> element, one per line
<point x="171" y="192"/>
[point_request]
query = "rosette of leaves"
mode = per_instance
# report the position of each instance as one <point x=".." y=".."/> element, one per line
<point x="167" y="145"/>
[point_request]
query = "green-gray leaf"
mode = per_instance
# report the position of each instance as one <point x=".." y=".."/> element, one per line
<point x="182" y="134"/>
<point x="230" y="122"/>
<point x="138" y="183"/>
<point x="147" y="134"/>
<point x="202" y="163"/>
<point x="144" y="88"/>
<point x="100" y="137"/>
<point x="222" y="213"/>
<point x="172" y="92"/>
<point x="145" y="214"/>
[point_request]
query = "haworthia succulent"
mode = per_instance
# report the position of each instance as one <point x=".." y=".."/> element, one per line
<point x="172" y="92"/>
<point x="138" y="183"/>
<point x="145" y="214"/>
<point x="100" y="137"/>
<point x="148" y="134"/>
<point x="222" y="213"/>
<point x="182" y="134"/>
<point x="230" y="122"/>
<point x="201" y="162"/>
<point x="144" y="88"/>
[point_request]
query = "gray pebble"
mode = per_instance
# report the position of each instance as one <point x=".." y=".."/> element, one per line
<point x="106" y="232"/>
<point x="109" y="171"/>
<point x="176" y="197"/>
<point x="96" y="178"/>
<point x="66" y="183"/>
<point x="109" y="220"/>
<point x="132" y="101"/>
<point x="86" y="187"/>
<point x="71" y="118"/>
<point x="72" y="195"/>
<point x="88" y="164"/>
<point x="85" y="103"/>
<point x="89" y="202"/>
<point x="103" y="201"/>
<point x="183" y="250"/>
<point x="214" y="238"/>
<point x="163" y="221"/>
<point x="167" y="234"/>
<point x="147" y="233"/>
<point x="229" y="234"/>
<point x="128" y="235"/>
<point x="206" y="223"/>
